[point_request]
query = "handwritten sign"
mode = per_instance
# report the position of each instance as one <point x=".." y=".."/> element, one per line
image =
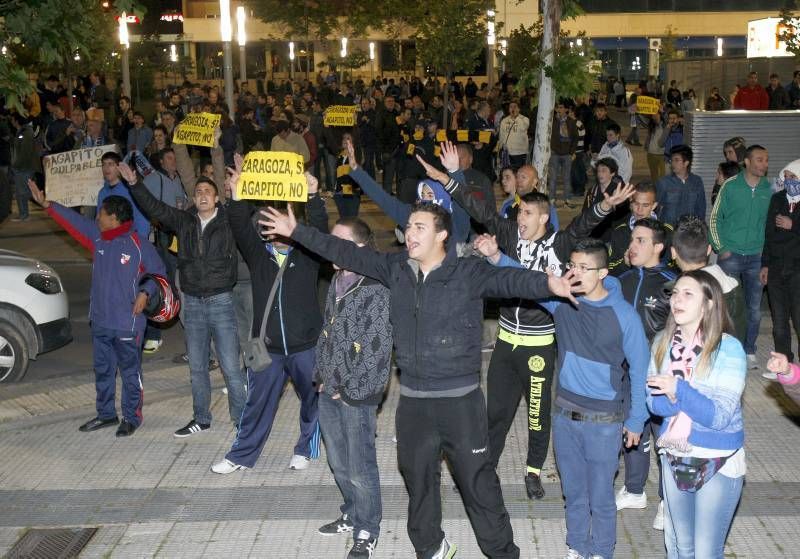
<point x="647" y="105"/>
<point x="272" y="175"/>
<point x="340" y="115"/>
<point x="74" y="178"/>
<point x="197" y="129"/>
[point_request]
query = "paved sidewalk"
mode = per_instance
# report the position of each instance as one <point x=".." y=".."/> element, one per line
<point x="153" y="495"/>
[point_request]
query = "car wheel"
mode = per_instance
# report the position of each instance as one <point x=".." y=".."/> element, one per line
<point x="13" y="353"/>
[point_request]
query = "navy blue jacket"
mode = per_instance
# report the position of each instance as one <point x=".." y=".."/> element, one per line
<point x="120" y="257"/>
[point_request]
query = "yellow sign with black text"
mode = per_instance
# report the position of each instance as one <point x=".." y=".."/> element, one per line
<point x="197" y="129"/>
<point x="272" y="175"/>
<point x="647" y="105"/>
<point x="340" y="115"/>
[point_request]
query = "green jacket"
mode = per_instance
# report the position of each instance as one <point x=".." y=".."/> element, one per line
<point x="739" y="215"/>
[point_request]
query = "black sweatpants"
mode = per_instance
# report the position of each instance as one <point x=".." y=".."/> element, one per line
<point x="784" y="303"/>
<point x="514" y="372"/>
<point x="455" y="427"/>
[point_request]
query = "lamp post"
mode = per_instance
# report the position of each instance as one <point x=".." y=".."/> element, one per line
<point x="241" y="36"/>
<point x="226" y="32"/>
<point x="124" y="42"/>
<point x="490" y="41"/>
<point x="504" y="52"/>
<point x="343" y="54"/>
<point x="291" y="60"/>
<point x="371" y="62"/>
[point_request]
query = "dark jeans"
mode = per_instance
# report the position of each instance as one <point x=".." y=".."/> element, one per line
<point x="347" y="205"/>
<point x="784" y="303"/>
<point x="428" y="427"/>
<point x="389" y="161"/>
<point x="264" y="390"/>
<point x="514" y="372"/>
<point x="118" y="350"/>
<point x="369" y="160"/>
<point x="22" y="192"/>
<point x="587" y="456"/>
<point x="746" y="269"/>
<point x="349" y="435"/>
<point x="560" y="165"/>
<point x="204" y="318"/>
<point x="637" y="459"/>
<point x="579" y="174"/>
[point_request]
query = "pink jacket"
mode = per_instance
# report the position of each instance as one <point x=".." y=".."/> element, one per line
<point x="791" y="382"/>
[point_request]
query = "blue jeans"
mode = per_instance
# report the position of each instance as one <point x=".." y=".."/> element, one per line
<point x="349" y="435"/>
<point x="745" y="269"/>
<point x="22" y="192"/>
<point x="204" y="318"/>
<point x="560" y="165"/>
<point x="587" y="456"/>
<point x="696" y="524"/>
<point x="347" y="205"/>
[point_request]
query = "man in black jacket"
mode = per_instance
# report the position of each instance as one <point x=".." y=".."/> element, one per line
<point x="292" y="330"/>
<point x="389" y="140"/>
<point x="207" y="272"/>
<point x="436" y="313"/>
<point x="525" y="352"/>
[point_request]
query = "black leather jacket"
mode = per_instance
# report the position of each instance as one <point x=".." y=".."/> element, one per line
<point x="649" y="290"/>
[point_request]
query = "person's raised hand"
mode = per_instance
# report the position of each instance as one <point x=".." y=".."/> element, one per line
<point x="128" y="174"/>
<point x="231" y="178"/>
<point x="563" y="286"/>
<point x="487" y="246"/>
<point x="620" y="195"/>
<point x="313" y="184"/>
<point x="778" y="363"/>
<point x="238" y="162"/>
<point x="433" y="172"/>
<point x="352" y="161"/>
<point x="37" y="194"/>
<point x="449" y="156"/>
<point x="277" y="223"/>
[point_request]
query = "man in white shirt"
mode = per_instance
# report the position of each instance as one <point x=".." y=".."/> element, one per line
<point x="618" y="151"/>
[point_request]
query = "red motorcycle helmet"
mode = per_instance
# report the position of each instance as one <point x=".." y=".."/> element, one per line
<point x="165" y="304"/>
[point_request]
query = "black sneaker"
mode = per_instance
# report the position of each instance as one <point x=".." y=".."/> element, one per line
<point x="342" y="525"/>
<point x="533" y="485"/>
<point x="192" y="428"/>
<point x="363" y="546"/>
<point x="125" y="429"/>
<point x="97" y="423"/>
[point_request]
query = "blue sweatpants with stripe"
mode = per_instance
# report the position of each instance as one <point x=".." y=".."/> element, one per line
<point x="118" y="350"/>
<point x="264" y="389"/>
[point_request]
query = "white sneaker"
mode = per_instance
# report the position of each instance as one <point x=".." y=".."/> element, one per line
<point x="658" y="521"/>
<point x="769" y="375"/>
<point x="299" y="462"/>
<point x="446" y="550"/>
<point x="226" y="467"/>
<point x="572" y="554"/>
<point x="752" y="361"/>
<point x="627" y="500"/>
<point x="151" y="346"/>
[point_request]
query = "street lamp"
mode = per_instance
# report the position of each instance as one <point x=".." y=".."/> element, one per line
<point x="241" y="35"/>
<point x="719" y="46"/>
<point x="291" y="60"/>
<point x="226" y="32"/>
<point x="343" y="54"/>
<point x="491" y="38"/>
<point x="124" y="41"/>
<point x="504" y="52"/>
<point x="371" y="61"/>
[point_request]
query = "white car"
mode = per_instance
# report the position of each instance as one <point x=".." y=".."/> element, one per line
<point x="34" y="313"/>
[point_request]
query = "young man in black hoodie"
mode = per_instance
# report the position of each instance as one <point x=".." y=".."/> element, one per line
<point x="436" y="313"/>
<point x="293" y="326"/>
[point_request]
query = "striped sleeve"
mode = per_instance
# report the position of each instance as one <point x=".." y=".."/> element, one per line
<point x="713" y="221"/>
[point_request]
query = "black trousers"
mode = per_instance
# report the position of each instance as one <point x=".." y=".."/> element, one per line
<point x="514" y="372"/>
<point x="455" y="427"/>
<point x="784" y="303"/>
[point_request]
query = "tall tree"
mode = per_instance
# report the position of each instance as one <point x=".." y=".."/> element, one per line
<point x="450" y="37"/>
<point x="53" y="35"/>
<point x="789" y="30"/>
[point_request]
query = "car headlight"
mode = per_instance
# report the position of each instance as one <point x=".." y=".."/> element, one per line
<point x="46" y="283"/>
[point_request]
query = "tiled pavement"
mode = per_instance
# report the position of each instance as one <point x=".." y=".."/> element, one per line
<point x="153" y="495"/>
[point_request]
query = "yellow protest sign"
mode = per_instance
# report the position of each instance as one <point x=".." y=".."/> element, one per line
<point x="197" y="129"/>
<point x="272" y="175"/>
<point x="340" y="115"/>
<point x="647" y="105"/>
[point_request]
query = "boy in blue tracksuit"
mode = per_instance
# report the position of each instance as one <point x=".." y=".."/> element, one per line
<point x="592" y="411"/>
<point x="120" y="259"/>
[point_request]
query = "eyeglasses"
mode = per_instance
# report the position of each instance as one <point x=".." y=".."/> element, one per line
<point x="580" y="268"/>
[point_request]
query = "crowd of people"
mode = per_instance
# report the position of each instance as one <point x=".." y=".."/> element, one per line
<point x="678" y="295"/>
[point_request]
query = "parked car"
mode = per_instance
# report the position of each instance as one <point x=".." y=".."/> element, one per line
<point x="34" y="313"/>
